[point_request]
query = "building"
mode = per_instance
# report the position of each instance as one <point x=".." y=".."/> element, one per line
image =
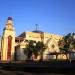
<point x="8" y="41"/>
<point x="12" y="47"/>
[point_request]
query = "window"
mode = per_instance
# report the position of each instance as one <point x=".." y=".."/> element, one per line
<point x="30" y="36"/>
<point x="53" y="46"/>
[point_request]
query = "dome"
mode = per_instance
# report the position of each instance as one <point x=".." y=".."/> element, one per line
<point x="38" y="31"/>
<point x="9" y="18"/>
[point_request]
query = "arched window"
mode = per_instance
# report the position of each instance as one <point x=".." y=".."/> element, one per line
<point x="53" y="46"/>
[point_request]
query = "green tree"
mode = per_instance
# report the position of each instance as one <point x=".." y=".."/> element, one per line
<point x="40" y="46"/>
<point x="64" y="43"/>
<point x="29" y="49"/>
<point x="67" y="44"/>
<point x="35" y="48"/>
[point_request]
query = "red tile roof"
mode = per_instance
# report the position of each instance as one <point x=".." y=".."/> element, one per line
<point x="19" y="38"/>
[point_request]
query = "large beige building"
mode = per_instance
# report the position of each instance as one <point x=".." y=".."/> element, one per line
<point x="11" y="44"/>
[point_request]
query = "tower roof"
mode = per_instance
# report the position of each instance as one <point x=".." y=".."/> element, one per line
<point x="9" y="18"/>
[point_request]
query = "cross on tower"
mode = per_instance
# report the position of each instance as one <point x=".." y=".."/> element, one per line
<point x="36" y="26"/>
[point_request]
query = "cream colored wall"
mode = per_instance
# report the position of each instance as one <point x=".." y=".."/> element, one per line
<point x="20" y="51"/>
<point x="62" y="56"/>
<point x="37" y="36"/>
<point x="3" y="49"/>
<point x="8" y="31"/>
<point x="33" y="36"/>
<point x="53" y="36"/>
<point x="56" y="48"/>
<point x="5" y="42"/>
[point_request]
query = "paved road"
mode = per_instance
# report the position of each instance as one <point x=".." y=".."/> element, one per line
<point x="4" y="72"/>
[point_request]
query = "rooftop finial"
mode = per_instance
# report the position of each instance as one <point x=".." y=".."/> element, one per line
<point x="36" y="26"/>
<point x="37" y="31"/>
<point x="9" y="18"/>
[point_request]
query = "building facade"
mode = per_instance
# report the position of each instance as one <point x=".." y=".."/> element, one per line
<point x="12" y="47"/>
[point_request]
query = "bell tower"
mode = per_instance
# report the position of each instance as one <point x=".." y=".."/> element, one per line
<point x="8" y="41"/>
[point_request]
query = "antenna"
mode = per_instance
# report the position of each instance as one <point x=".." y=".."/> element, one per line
<point x="36" y="26"/>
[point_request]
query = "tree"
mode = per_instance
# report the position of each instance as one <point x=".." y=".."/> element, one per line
<point x="67" y="43"/>
<point x="35" y="48"/>
<point x="29" y="49"/>
<point x="40" y="46"/>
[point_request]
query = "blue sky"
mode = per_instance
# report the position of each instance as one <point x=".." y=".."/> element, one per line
<point x="52" y="16"/>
